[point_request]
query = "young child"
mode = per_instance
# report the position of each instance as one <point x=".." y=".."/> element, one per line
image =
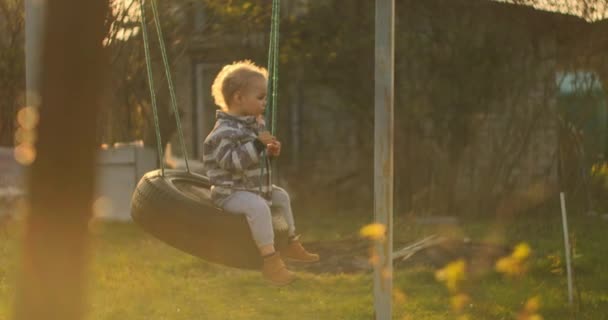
<point x="232" y="153"/>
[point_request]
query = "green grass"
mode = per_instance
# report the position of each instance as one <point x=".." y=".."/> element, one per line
<point x="134" y="276"/>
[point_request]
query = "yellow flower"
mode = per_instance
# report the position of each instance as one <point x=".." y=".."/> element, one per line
<point x="521" y="251"/>
<point x="459" y="301"/>
<point x="515" y="264"/>
<point x="532" y="305"/>
<point x="398" y="296"/>
<point x="374" y="231"/>
<point x="374" y="258"/>
<point x="600" y="169"/>
<point x="463" y="317"/>
<point x="386" y="274"/>
<point x="510" y="266"/>
<point x="535" y="317"/>
<point x="505" y="264"/>
<point x="452" y="274"/>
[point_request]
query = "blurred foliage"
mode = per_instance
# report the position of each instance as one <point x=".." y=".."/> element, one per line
<point x="12" y="67"/>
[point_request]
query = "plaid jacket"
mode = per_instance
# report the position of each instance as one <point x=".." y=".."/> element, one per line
<point x="232" y="155"/>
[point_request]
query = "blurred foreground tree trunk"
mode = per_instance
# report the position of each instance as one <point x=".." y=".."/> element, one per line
<point x="61" y="181"/>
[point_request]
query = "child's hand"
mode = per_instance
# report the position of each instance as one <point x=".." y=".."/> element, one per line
<point x="260" y="120"/>
<point x="266" y="138"/>
<point x="274" y="148"/>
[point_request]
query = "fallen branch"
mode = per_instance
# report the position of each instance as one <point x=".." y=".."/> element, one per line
<point x="408" y="251"/>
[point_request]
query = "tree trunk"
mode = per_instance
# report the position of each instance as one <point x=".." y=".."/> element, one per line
<point x="62" y="178"/>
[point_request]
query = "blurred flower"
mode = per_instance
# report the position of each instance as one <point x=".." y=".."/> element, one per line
<point x="521" y="251"/>
<point x="600" y="170"/>
<point x="374" y="231"/>
<point x="452" y="274"/>
<point x="530" y="311"/>
<point x="398" y="296"/>
<point x="459" y="301"/>
<point x="516" y="263"/>
<point x="386" y="274"/>
<point x="532" y="305"/>
<point x="374" y="258"/>
<point x="510" y="266"/>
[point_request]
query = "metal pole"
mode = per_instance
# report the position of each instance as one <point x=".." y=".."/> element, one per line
<point x="383" y="154"/>
<point x="567" y="246"/>
<point x="34" y="19"/>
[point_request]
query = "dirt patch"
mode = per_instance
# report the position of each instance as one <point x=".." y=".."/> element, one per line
<point x="352" y="255"/>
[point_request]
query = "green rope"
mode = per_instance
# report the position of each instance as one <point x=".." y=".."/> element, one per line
<point x="275" y="70"/>
<point x="273" y="66"/>
<point x="270" y="113"/>
<point x="144" y="30"/>
<point x="273" y="50"/>
<point x="163" y="50"/>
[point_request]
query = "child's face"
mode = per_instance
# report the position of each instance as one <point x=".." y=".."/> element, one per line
<point x="253" y="98"/>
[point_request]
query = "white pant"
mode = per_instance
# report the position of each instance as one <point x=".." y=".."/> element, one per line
<point x="259" y="213"/>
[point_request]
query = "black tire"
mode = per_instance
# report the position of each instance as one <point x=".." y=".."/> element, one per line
<point x="176" y="209"/>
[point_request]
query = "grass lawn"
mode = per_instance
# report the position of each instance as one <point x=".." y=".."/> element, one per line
<point x="134" y="276"/>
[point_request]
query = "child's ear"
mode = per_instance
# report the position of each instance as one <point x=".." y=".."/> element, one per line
<point x="238" y="97"/>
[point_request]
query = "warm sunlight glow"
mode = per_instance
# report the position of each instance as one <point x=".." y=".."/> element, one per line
<point x="126" y="25"/>
<point x="25" y="135"/>
<point x="25" y="154"/>
<point x="102" y="207"/>
<point x="594" y="12"/>
<point x="28" y="118"/>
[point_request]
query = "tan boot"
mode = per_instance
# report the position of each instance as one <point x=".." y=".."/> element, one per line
<point x="275" y="271"/>
<point x="295" y="251"/>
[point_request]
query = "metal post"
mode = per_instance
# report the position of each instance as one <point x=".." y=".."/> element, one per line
<point x="383" y="153"/>
<point x="34" y="19"/>
<point x="562" y="198"/>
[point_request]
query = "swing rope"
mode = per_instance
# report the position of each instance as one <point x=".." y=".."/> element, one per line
<point x="144" y="31"/>
<point x="271" y="102"/>
<point x="167" y="68"/>
<point x="163" y="51"/>
<point x="273" y="57"/>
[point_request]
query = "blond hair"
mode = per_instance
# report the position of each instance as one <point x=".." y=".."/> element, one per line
<point x="232" y="78"/>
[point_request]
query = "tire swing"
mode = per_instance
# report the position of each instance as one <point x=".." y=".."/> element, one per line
<point x="175" y="206"/>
